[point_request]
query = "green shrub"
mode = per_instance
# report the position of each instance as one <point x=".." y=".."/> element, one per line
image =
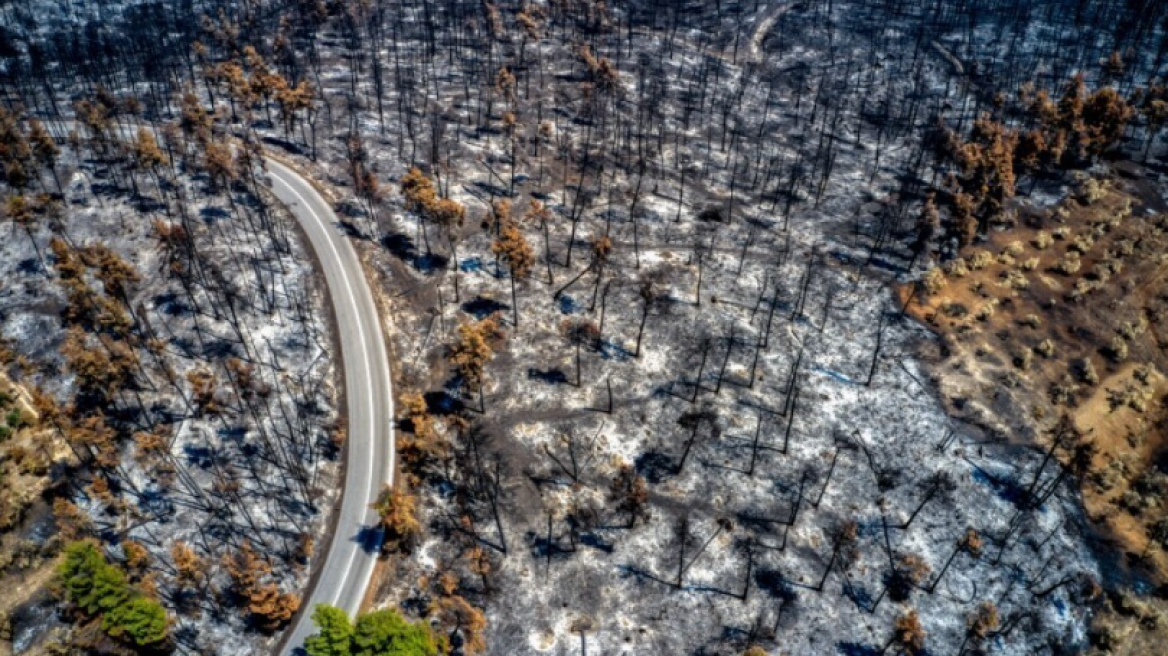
<point x="380" y="633"/>
<point x="140" y="620"/>
<point x="386" y="632"/>
<point x="1125" y="208"/>
<point x="1082" y="243"/>
<point x="1086" y="371"/>
<point x="99" y="588"/>
<point x="1015" y="280"/>
<point x="15" y="419"/>
<point x="934" y="281"/>
<point x="986" y="310"/>
<point x="1092" y="190"/>
<point x="1045" y="348"/>
<point x="1084" y="286"/>
<point x="958" y="268"/>
<point x="1030" y="321"/>
<point x="1069" y="264"/>
<point x="1023" y="359"/>
<point x="981" y="260"/>
<point x="89" y="581"/>
<point x="334" y="635"/>
<point x="1118" y="349"/>
<point x="1133" y="329"/>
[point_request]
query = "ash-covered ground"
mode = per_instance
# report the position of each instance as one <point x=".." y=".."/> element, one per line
<point x="739" y="179"/>
<point x="771" y="155"/>
<point x="222" y="431"/>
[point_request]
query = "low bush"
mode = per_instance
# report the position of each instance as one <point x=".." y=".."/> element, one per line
<point x="1069" y="264"/>
<point x="958" y="268"/>
<point x="981" y="260"/>
<point x="1045" y="348"/>
<point x="934" y="281"/>
<point x="382" y="632"/>
<point x="99" y="589"/>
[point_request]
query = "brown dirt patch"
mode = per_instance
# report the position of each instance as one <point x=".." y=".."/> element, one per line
<point x="1128" y="441"/>
<point x="27" y="451"/>
<point x="1066" y="312"/>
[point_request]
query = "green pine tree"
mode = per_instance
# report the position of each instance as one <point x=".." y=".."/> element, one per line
<point x="385" y="633"/>
<point x="380" y="633"/>
<point x="99" y="588"/>
<point x="140" y="620"/>
<point x="89" y="581"/>
<point x="335" y="635"/>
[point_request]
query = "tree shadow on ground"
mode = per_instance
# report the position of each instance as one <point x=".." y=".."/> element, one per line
<point x="493" y="189"/>
<point x="171" y="305"/>
<point x="212" y="215"/>
<point x="856" y="649"/>
<point x="350" y="230"/>
<point x="402" y="246"/>
<point x="568" y="305"/>
<point x="155" y="502"/>
<point x="106" y="189"/>
<point x="430" y="263"/>
<point x="290" y="146"/>
<point x="1007" y="488"/>
<point x="442" y="402"/>
<point x="30" y="266"/>
<point x="369" y="538"/>
<point x="774" y="584"/>
<point x="145" y="204"/>
<point x="859" y="595"/>
<point x="612" y="351"/>
<point x="549" y="376"/>
<point x="328" y="447"/>
<point x="596" y="542"/>
<point x="481" y="308"/>
<point x="545" y="550"/>
<point x="655" y="466"/>
<point x="218" y="349"/>
<point x="712" y="590"/>
<point x="199" y="456"/>
<point x="642" y="575"/>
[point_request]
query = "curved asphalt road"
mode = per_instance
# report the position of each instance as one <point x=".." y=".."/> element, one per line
<point x="343" y="577"/>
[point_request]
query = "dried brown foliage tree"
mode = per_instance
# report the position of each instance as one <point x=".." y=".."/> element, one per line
<point x="512" y="247"/>
<point x="473" y="349"/>
<point x="267" y="605"/>
<point x="397" y="510"/>
<point x="908" y="636"/>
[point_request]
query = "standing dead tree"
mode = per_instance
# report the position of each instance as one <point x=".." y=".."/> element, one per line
<point x="472" y="350"/>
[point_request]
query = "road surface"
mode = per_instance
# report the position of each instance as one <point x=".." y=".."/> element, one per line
<point x="342" y="578"/>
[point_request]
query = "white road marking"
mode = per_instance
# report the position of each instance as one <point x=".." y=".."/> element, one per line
<point x="364" y="352"/>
